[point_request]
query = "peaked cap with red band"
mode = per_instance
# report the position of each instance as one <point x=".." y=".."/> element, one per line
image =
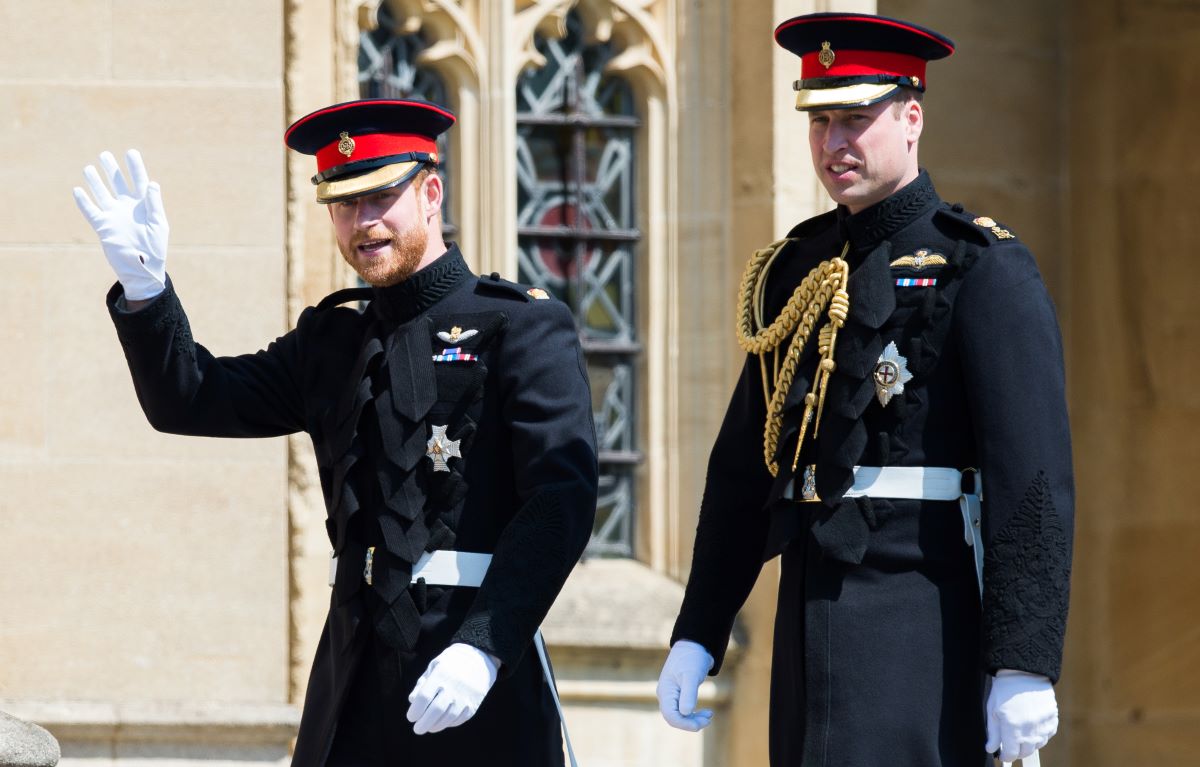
<point x="368" y="145"/>
<point x="855" y="59"/>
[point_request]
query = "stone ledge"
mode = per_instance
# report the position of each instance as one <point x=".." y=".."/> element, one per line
<point x="255" y="724"/>
<point x="26" y="745"/>
<point x="620" y="605"/>
<point x="711" y="692"/>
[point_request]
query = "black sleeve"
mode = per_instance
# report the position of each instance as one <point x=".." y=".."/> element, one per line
<point x="1014" y="378"/>
<point x="732" y="531"/>
<point x="548" y="407"/>
<point x="184" y="389"/>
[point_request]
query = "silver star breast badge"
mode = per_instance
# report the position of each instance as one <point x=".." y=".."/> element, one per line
<point x="891" y="373"/>
<point x="439" y="449"/>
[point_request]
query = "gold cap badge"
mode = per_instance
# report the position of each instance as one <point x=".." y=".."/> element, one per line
<point x="826" y="57"/>
<point x="346" y="145"/>
<point x="538" y="293"/>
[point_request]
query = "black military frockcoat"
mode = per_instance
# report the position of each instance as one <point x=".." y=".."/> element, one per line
<point x="366" y="386"/>
<point x="881" y="646"/>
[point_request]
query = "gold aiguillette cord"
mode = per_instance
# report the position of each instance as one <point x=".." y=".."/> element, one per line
<point x="824" y="288"/>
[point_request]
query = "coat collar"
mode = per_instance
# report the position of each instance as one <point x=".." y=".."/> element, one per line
<point x="869" y="227"/>
<point x="420" y="291"/>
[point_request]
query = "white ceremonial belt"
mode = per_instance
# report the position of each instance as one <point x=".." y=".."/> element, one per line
<point x="441" y="568"/>
<point x="452" y="568"/>
<point x="918" y="483"/>
<point x="922" y="483"/>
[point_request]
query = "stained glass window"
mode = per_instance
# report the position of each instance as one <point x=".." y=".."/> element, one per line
<point x="578" y="239"/>
<point x="388" y="68"/>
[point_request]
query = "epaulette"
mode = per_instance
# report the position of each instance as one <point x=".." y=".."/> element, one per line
<point x="982" y="229"/>
<point x="494" y="283"/>
<point x="813" y="226"/>
<point x="345" y="295"/>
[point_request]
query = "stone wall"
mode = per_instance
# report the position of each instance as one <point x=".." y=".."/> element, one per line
<point x="139" y="568"/>
<point x="1134" y="652"/>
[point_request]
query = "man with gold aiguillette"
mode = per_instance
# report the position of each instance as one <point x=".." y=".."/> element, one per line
<point x="899" y="436"/>
<point x="452" y="425"/>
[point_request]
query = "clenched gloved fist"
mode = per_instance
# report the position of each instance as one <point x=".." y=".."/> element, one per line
<point x="451" y="689"/>
<point x="128" y="216"/>
<point x="679" y="686"/>
<point x="1022" y="714"/>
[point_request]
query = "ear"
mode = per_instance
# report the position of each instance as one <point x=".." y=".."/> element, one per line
<point x="914" y="120"/>
<point x="431" y="194"/>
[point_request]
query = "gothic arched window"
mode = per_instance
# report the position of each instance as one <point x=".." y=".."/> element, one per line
<point x="578" y="238"/>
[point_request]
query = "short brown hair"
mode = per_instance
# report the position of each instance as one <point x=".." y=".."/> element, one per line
<point x="903" y="95"/>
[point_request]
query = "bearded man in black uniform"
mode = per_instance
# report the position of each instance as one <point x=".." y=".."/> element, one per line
<point x="904" y="363"/>
<point x="453" y="432"/>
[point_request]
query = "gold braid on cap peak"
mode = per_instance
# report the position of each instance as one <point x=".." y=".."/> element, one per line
<point x="823" y="287"/>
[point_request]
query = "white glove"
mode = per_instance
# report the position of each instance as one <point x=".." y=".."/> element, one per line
<point x="679" y="686"/>
<point x="1022" y="714"/>
<point x="451" y="689"/>
<point x="131" y="222"/>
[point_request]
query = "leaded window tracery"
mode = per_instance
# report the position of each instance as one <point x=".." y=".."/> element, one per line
<point x="578" y="239"/>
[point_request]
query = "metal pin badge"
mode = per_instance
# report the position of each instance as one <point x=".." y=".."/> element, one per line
<point x="919" y="260"/>
<point x="369" y="566"/>
<point x="808" y="491"/>
<point x="456" y="334"/>
<point x="440" y="448"/>
<point x="891" y="373"/>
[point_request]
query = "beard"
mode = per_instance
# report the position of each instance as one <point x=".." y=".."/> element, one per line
<point x="393" y="265"/>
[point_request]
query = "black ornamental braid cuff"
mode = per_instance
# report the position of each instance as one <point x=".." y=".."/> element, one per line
<point x="1026" y="582"/>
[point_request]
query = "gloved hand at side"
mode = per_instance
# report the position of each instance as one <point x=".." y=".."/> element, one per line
<point x="1022" y="714"/>
<point x="129" y="218"/>
<point x="679" y="686"/>
<point x="452" y="688"/>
